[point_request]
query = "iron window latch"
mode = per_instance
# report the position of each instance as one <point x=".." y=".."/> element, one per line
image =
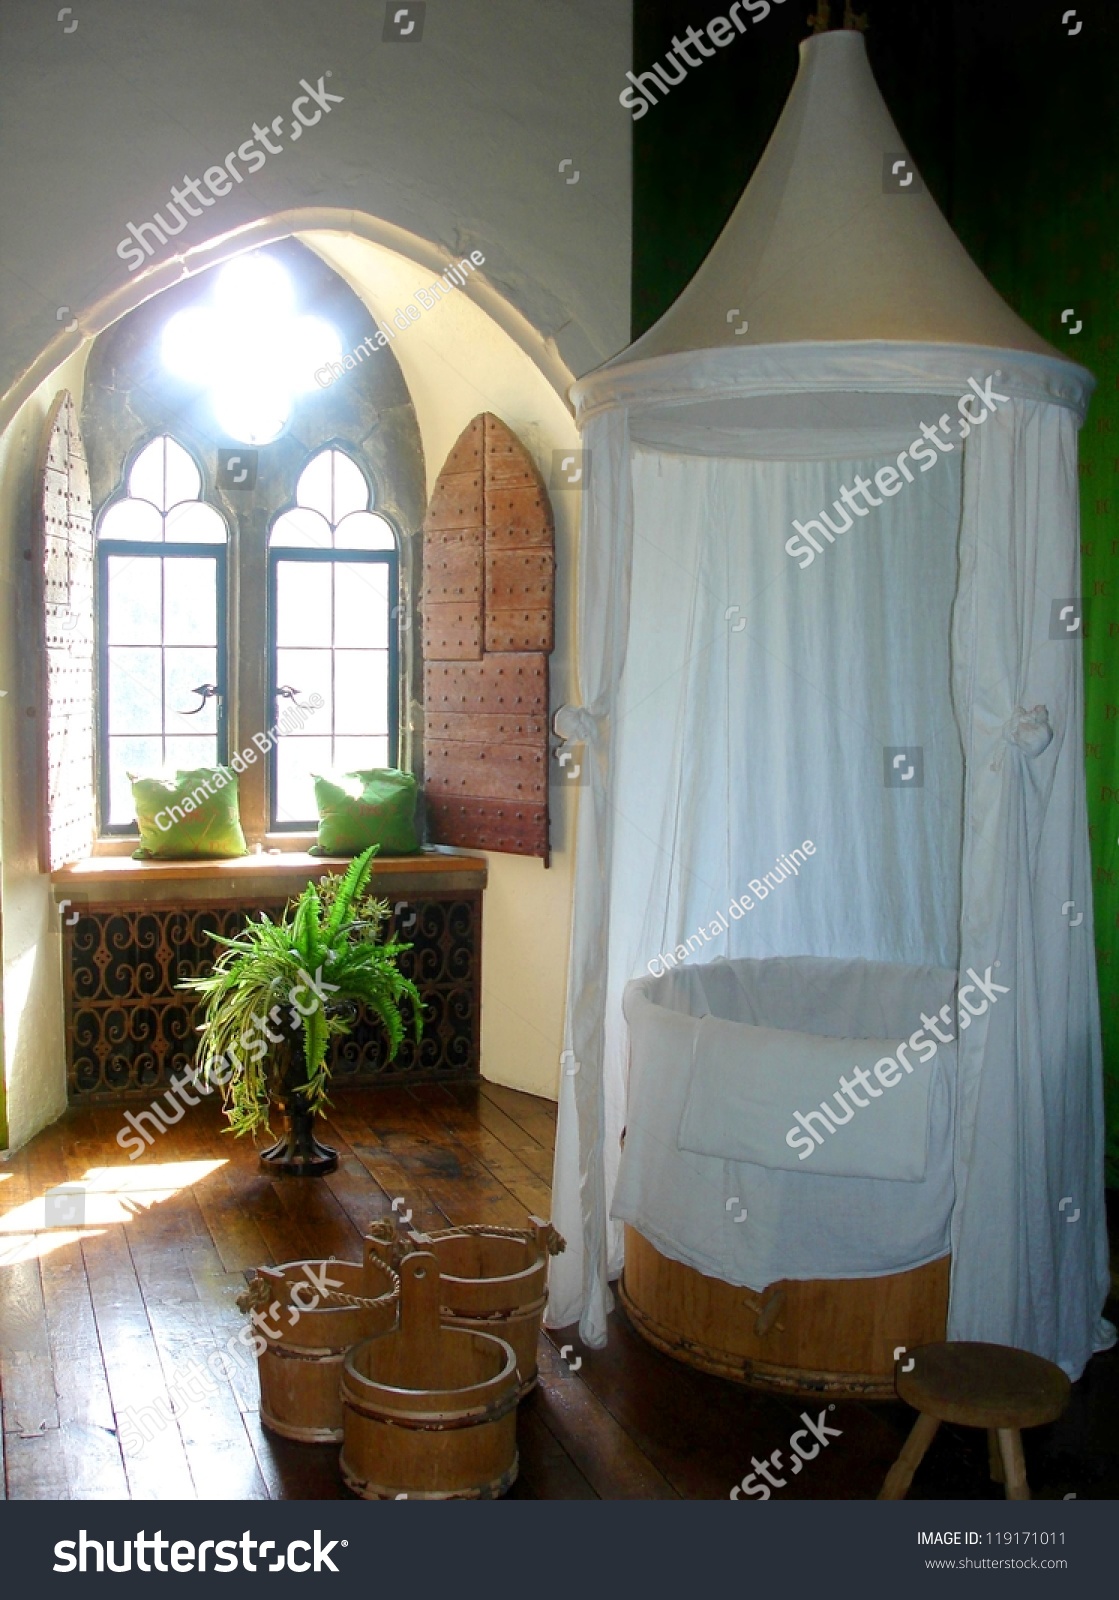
<point x="286" y="692"/>
<point x="205" y="691"/>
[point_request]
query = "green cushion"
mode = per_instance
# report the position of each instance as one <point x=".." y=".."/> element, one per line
<point x="192" y="816"/>
<point x="357" y="809"/>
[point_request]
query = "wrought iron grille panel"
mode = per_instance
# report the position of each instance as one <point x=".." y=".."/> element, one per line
<point x="129" y="1029"/>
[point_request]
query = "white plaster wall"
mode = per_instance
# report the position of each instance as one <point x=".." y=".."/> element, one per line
<point x="34" y="1051"/>
<point x="457" y="139"/>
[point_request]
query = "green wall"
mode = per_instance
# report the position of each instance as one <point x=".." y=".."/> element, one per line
<point x="1015" y="127"/>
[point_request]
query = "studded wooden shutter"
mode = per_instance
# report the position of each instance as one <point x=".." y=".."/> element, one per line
<point x="63" y="568"/>
<point x="488" y="583"/>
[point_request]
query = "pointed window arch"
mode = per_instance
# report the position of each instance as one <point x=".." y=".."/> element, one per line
<point x="161" y="574"/>
<point x="333" y="564"/>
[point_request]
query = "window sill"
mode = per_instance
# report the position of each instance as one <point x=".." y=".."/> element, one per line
<point x="118" y="880"/>
<point x="111" y="845"/>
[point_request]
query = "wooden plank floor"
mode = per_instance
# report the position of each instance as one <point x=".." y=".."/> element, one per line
<point x="105" y="1315"/>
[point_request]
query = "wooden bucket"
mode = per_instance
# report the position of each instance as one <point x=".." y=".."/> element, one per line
<point x="306" y="1343"/>
<point x="494" y="1280"/>
<point x="431" y="1411"/>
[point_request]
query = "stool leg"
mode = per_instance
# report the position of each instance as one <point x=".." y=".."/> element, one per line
<point x="1014" y="1462"/>
<point x="994" y="1459"/>
<point x="900" y="1475"/>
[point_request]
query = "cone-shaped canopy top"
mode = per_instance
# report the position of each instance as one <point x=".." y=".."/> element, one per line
<point x="829" y="244"/>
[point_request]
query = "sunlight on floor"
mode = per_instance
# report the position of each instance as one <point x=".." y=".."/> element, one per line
<point x="19" y="1247"/>
<point x="106" y="1195"/>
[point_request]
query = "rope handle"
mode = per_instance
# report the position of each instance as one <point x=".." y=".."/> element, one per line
<point x="261" y="1292"/>
<point x="358" y="1301"/>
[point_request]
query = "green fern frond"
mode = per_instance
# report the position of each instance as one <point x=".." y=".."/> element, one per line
<point x="306" y="931"/>
<point x="353" y="882"/>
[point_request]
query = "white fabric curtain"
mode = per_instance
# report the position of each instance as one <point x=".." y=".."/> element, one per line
<point x="745" y="722"/>
<point x="1028" y="1235"/>
<point x="713" y="748"/>
<point x="592" y="1096"/>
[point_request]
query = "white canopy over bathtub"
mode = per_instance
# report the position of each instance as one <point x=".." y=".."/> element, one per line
<point x="899" y="685"/>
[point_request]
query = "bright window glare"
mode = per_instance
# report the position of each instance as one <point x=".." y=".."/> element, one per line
<point x="249" y="350"/>
<point x="254" y="286"/>
<point x="253" y="413"/>
<point x="189" y="346"/>
<point x="312" y="344"/>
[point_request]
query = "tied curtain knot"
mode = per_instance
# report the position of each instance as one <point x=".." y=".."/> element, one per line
<point x="1030" y="730"/>
<point x="579" y="725"/>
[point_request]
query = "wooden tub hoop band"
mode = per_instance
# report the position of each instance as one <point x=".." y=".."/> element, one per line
<point x="554" y="1241"/>
<point x="496" y="1316"/>
<point x="297" y="1352"/>
<point x="418" y="1424"/>
<point x="494" y="1489"/>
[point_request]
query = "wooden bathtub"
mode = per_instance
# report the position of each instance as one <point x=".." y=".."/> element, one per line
<point x="833" y="1336"/>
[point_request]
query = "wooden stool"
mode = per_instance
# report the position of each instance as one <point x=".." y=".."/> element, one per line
<point x="978" y="1386"/>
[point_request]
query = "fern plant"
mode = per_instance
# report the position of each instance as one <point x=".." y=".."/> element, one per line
<point x="294" y="985"/>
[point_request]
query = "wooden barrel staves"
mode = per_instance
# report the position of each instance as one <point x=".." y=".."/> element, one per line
<point x="430" y="1411"/>
<point x="494" y="1280"/>
<point x="309" y="1313"/>
<point x="832" y="1336"/>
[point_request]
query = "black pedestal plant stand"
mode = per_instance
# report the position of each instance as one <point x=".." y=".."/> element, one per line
<point x="298" y="1154"/>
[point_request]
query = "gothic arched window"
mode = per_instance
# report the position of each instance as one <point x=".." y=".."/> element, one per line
<point x="333" y="605"/>
<point x="161" y="573"/>
<point x="249" y="545"/>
